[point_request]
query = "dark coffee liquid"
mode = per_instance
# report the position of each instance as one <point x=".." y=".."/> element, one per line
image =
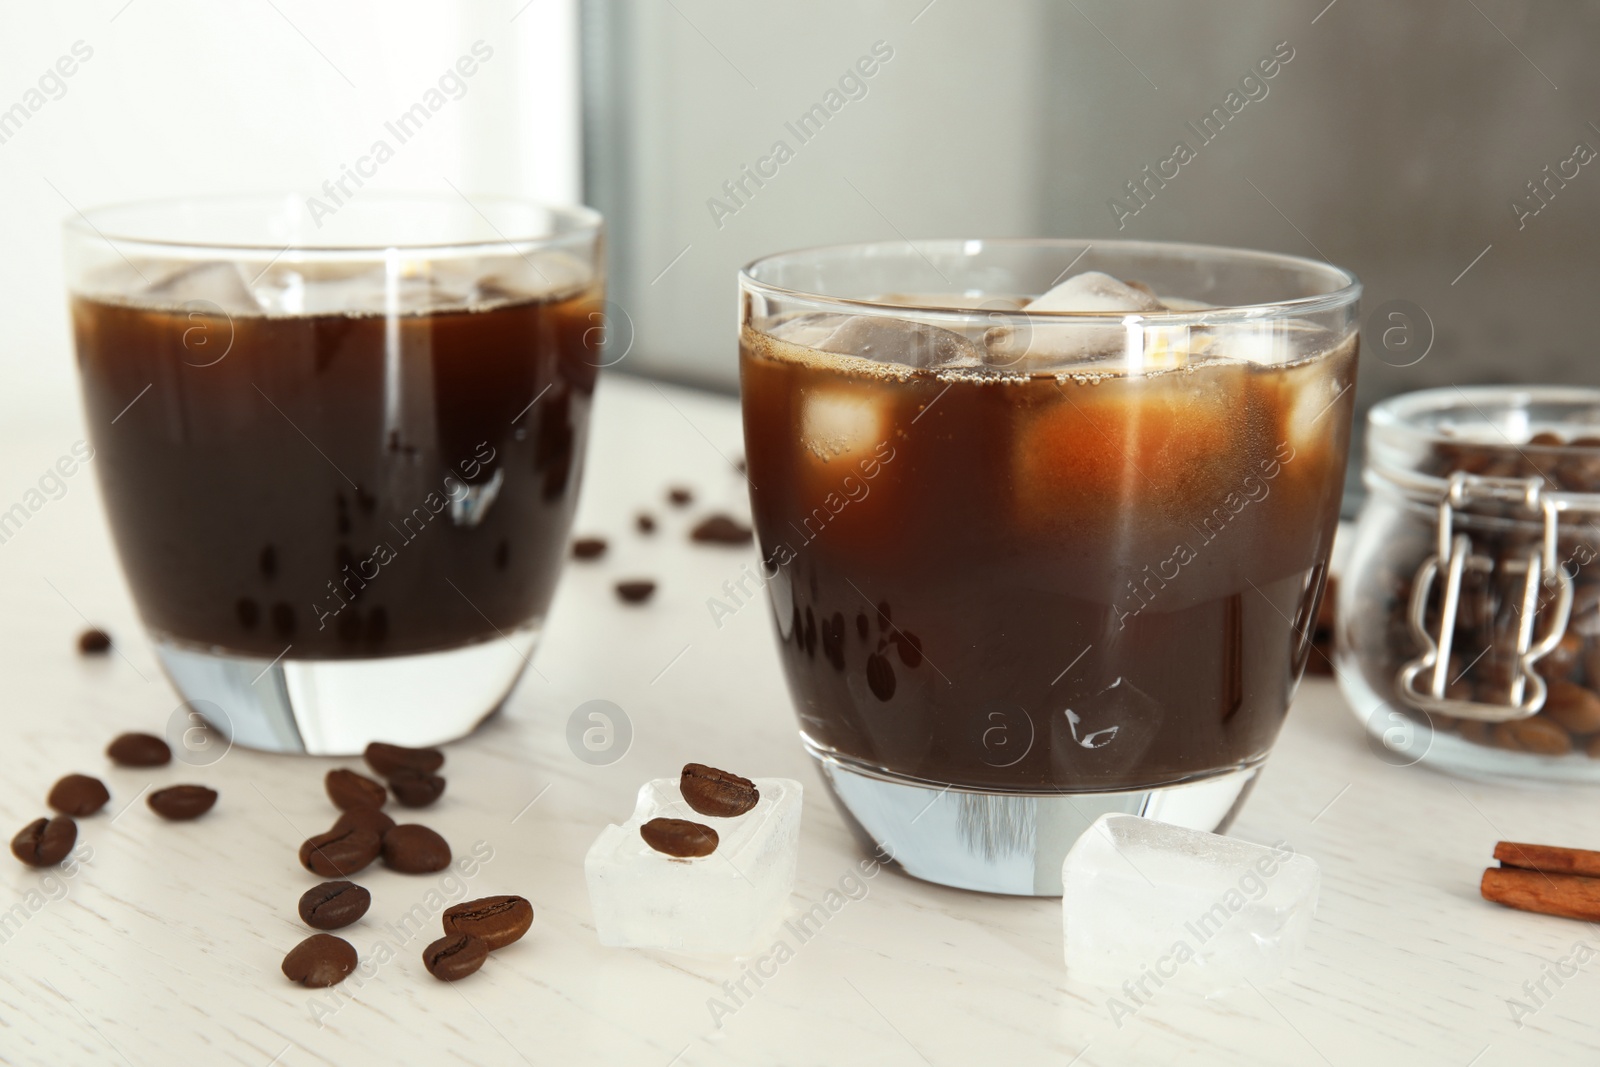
<point x="1044" y="583"/>
<point x="350" y="485"/>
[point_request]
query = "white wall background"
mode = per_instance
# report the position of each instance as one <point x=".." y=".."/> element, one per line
<point x="188" y="96"/>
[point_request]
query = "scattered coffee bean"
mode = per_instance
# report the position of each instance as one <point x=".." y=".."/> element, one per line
<point x="78" y="794"/>
<point x="713" y="792"/>
<point x="182" y="802"/>
<point x="1574" y="708"/>
<point x="455" y="956"/>
<point x="645" y="522"/>
<point x="498" y="921"/>
<point x="332" y="905"/>
<point x="589" y="547"/>
<point x="319" y="961"/>
<point x="94" y="642"/>
<point x="680" y="497"/>
<point x="371" y="819"/>
<point x="139" y="750"/>
<point x="340" y="853"/>
<point x="416" y="789"/>
<point x="386" y="759"/>
<point x="45" y="842"/>
<point x="349" y="790"/>
<point x="636" y="591"/>
<point x="411" y="848"/>
<point x="1537" y="735"/>
<point x="720" y="530"/>
<point x="679" y="837"/>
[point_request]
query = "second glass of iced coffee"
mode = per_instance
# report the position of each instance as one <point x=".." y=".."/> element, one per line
<point x="1043" y="524"/>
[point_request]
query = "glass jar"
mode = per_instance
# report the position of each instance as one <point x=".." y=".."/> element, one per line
<point x="1469" y="613"/>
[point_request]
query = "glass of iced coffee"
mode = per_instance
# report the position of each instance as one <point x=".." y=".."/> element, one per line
<point x="339" y="451"/>
<point x="1043" y="525"/>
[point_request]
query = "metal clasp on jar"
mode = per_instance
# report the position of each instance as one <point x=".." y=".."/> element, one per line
<point x="1424" y="680"/>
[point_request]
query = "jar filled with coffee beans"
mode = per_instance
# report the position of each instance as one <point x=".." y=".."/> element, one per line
<point x="1468" y="629"/>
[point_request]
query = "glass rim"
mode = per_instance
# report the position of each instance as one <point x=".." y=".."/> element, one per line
<point x="568" y="222"/>
<point x="1347" y="291"/>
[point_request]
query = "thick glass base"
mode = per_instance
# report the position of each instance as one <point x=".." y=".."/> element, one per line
<point x="335" y="707"/>
<point x="1006" y="842"/>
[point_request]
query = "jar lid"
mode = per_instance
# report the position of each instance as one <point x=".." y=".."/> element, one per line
<point x="1513" y="438"/>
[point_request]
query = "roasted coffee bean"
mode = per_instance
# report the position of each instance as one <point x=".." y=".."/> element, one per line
<point x="1477" y="732"/>
<point x="139" y="750"/>
<point x="416" y="789"/>
<point x="340" y="853"/>
<point x="497" y="921"/>
<point x="720" y="530"/>
<point x="78" y="794"/>
<point x="349" y="790"/>
<point x="387" y="759"/>
<point x="1537" y="735"/>
<point x="411" y="848"/>
<point x="636" y="591"/>
<point x="713" y="792"/>
<point x="1562" y="660"/>
<point x="319" y="961"/>
<point x="1594" y="748"/>
<point x="455" y="956"/>
<point x="679" y="837"/>
<point x="94" y="642"/>
<point x="645" y="522"/>
<point x="182" y="802"/>
<point x="364" y="819"/>
<point x="45" y="842"/>
<point x="333" y="904"/>
<point x="1573" y="708"/>
<point x="680" y="496"/>
<point x="589" y="548"/>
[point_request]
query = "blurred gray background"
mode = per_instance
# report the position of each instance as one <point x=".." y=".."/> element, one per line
<point x="1395" y="142"/>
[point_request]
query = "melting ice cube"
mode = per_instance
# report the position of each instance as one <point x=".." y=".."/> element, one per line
<point x="882" y="340"/>
<point x="1147" y="904"/>
<point x="1090" y="293"/>
<point x="727" y="903"/>
<point x="219" y="286"/>
<point x="844" y="420"/>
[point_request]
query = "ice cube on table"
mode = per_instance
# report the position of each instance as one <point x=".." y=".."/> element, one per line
<point x="728" y="903"/>
<point x="1148" y="904"/>
<point x="1092" y="292"/>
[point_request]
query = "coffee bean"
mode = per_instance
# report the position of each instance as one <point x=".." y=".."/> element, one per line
<point x="589" y="548"/>
<point x="411" y="848"/>
<point x="1573" y="708"/>
<point x="319" y="961"/>
<point x="416" y="789"/>
<point x="364" y="819"/>
<point x="139" y="750"/>
<point x="454" y="956"/>
<point x="636" y="591"/>
<point x="1594" y="748"/>
<point x="1477" y="732"/>
<point x="680" y="496"/>
<point x="498" y="921"/>
<point x="679" y="837"/>
<point x="340" y="852"/>
<point x="182" y="802"/>
<point x="94" y="642"/>
<point x="713" y="792"/>
<point x="333" y="904"/>
<point x="45" y="842"/>
<point x="387" y="759"/>
<point x="645" y="522"/>
<point x="1562" y="660"/>
<point x="78" y="794"/>
<point x="720" y="530"/>
<point x="1537" y="735"/>
<point x="349" y="790"/>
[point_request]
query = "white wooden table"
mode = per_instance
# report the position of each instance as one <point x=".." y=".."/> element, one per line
<point x="164" y="947"/>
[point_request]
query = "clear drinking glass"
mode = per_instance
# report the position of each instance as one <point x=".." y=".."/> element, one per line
<point x="339" y="450"/>
<point x="1031" y="566"/>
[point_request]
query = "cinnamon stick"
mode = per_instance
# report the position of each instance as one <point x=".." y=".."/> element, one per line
<point x="1570" y="896"/>
<point x="1549" y="858"/>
